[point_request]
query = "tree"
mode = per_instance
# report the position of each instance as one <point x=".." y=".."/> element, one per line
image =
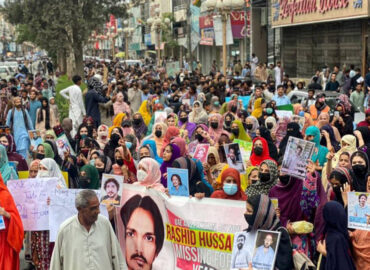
<point x="61" y="27"/>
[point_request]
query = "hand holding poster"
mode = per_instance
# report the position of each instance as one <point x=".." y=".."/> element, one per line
<point x="265" y="250"/>
<point x="234" y="157"/>
<point x="178" y="182"/>
<point x="186" y="234"/>
<point x="359" y="210"/>
<point x="30" y="197"/>
<point x="201" y="152"/>
<point x="111" y="186"/>
<point x="64" y="146"/>
<point x="296" y="157"/>
<point x="35" y="138"/>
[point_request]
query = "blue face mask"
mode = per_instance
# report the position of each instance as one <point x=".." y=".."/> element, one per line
<point x="128" y="144"/>
<point x="230" y="189"/>
<point x="92" y="162"/>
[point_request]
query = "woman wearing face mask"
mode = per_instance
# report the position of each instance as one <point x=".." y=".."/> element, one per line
<point x="104" y="165"/>
<point x="213" y="166"/>
<point x="232" y="108"/>
<point x="8" y="142"/>
<point x="170" y="153"/>
<point x="139" y="126"/>
<point x="44" y="150"/>
<point x="89" y="177"/>
<point x="70" y="166"/>
<point x="7" y="171"/>
<point x="343" y="122"/>
<point x="335" y="249"/>
<point x="320" y="152"/>
<point x="124" y="164"/>
<point x="251" y="176"/>
<point x="231" y="190"/>
<point x="328" y="139"/>
<point x="149" y="174"/>
<point x="228" y="120"/>
<point x="45" y="117"/>
<point x="117" y="121"/>
<point x="360" y="167"/>
<point x="252" y="125"/>
<point x="238" y="132"/>
<point x="215" y="130"/>
<point x="49" y="168"/>
<point x="260" y="151"/>
<point x="201" y="136"/>
<point x="184" y="124"/>
<point x="268" y="176"/>
<point x="152" y="149"/>
<point x="130" y="141"/>
<point x="292" y="130"/>
<point x="83" y="132"/>
<point x="270" y="124"/>
<point x="198" y="115"/>
<point x="159" y="130"/>
<point x="338" y="178"/>
<point x="102" y="139"/>
<point x="112" y="144"/>
<point x="265" y="133"/>
<point x="363" y="136"/>
<point x="260" y="215"/>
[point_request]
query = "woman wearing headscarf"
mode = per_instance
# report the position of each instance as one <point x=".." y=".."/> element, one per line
<point x="260" y="151"/>
<point x="146" y="111"/>
<point x="360" y="167"/>
<point x="260" y="215"/>
<point x="213" y="166"/>
<point x="124" y="164"/>
<point x="324" y="119"/>
<point x="102" y="139"/>
<point x="70" y="166"/>
<point x="113" y="143"/>
<point x="270" y="124"/>
<point x="45" y="119"/>
<point x="363" y="136"/>
<point x="233" y="108"/>
<point x="117" y="121"/>
<point x="215" y="130"/>
<point x="149" y="174"/>
<point x="120" y="105"/>
<point x="186" y="125"/>
<point x="171" y="133"/>
<point x="258" y="107"/>
<point x="8" y="142"/>
<point x="104" y="165"/>
<point x="328" y="138"/>
<point x="320" y="152"/>
<point x="252" y="125"/>
<point x="172" y="120"/>
<point x="131" y="144"/>
<point x="150" y="144"/>
<point x="231" y="189"/>
<point x="336" y="249"/>
<point x="11" y="237"/>
<point x="54" y="147"/>
<point x="201" y="136"/>
<point x="198" y="115"/>
<point x="268" y="175"/>
<point x="228" y="120"/>
<point x="265" y="133"/>
<point x="89" y="177"/>
<point x="197" y="184"/>
<point x="338" y="178"/>
<point x="181" y="144"/>
<point x="343" y="122"/>
<point x="49" y="168"/>
<point x="8" y="172"/>
<point x="292" y="130"/>
<point x="170" y="153"/>
<point x="139" y="126"/>
<point x="238" y="132"/>
<point x="159" y="130"/>
<point x="251" y="177"/>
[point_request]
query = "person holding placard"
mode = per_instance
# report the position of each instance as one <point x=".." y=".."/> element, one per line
<point x="231" y="189"/>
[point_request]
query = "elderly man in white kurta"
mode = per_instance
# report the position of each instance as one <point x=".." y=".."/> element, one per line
<point x="87" y="241"/>
<point x="76" y="103"/>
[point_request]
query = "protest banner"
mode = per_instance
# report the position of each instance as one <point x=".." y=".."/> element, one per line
<point x="30" y="197"/>
<point x="62" y="206"/>
<point x="234" y="157"/>
<point x="25" y="175"/>
<point x="111" y="186"/>
<point x="201" y="152"/>
<point x="245" y="148"/>
<point x="242" y="250"/>
<point x="35" y="138"/>
<point x="178" y="182"/>
<point x="64" y="146"/>
<point x="2" y="223"/>
<point x="296" y="157"/>
<point x="282" y="114"/>
<point x="359" y="210"/>
<point x="265" y="240"/>
<point x="188" y="234"/>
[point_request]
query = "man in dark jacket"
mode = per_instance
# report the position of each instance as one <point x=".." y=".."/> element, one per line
<point x="93" y="98"/>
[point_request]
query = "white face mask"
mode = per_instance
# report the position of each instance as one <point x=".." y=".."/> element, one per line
<point x="43" y="174"/>
<point x="141" y="175"/>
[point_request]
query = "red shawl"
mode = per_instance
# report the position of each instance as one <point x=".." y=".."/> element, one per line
<point x="11" y="239"/>
<point x="220" y="194"/>
<point x="257" y="160"/>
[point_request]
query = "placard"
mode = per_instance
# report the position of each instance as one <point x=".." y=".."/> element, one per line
<point x="30" y="197"/>
<point x="63" y="146"/>
<point x="265" y="249"/>
<point x="234" y="157"/>
<point x="178" y="182"/>
<point x="35" y="138"/>
<point x="201" y="152"/>
<point x="359" y="210"/>
<point x="111" y="187"/>
<point x="296" y="157"/>
<point x="2" y="223"/>
<point x="245" y="148"/>
<point x="242" y="250"/>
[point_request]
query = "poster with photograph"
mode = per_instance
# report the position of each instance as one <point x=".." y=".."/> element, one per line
<point x="234" y="157"/>
<point x="178" y="182"/>
<point x="35" y="138"/>
<point x="265" y="250"/>
<point x="63" y="146"/>
<point x="359" y="210"/>
<point x="111" y="188"/>
<point x="201" y="152"/>
<point x="296" y="157"/>
<point x="160" y="117"/>
<point x="245" y="148"/>
<point x="242" y="250"/>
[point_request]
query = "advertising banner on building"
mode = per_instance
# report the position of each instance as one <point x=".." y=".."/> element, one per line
<point x="294" y="12"/>
<point x="158" y="232"/>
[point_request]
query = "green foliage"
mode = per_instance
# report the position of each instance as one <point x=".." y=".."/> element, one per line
<point x="63" y="105"/>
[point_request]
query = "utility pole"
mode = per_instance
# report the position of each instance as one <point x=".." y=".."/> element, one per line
<point x="189" y="36"/>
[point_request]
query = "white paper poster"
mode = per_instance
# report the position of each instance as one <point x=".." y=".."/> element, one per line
<point x="359" y="210"/>
<point x="217" y="25"/>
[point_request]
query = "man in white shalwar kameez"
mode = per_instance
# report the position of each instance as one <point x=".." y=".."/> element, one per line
<point x="76" y="103"/>
<point x="87" y="240"/>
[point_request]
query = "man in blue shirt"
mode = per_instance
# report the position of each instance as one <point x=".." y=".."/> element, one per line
<point x="361" y="209"/>
<point x="280" y="98"/>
